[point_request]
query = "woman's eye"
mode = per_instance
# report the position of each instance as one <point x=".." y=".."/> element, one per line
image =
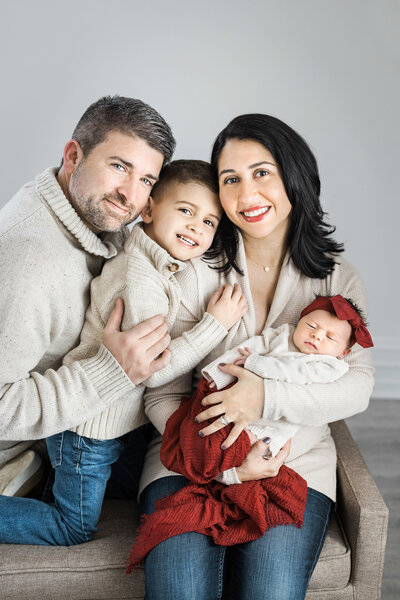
<point x="261" y="173"/>
<point x="230" y="180"/>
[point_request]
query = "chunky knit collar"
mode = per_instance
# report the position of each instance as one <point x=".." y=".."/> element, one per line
<point x="50" y="191"/>
<point x="162" y="261"/>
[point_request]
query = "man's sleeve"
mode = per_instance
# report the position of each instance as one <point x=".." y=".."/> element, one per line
<point x="34" y="405"/>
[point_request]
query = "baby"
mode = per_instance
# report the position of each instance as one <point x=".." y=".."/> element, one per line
<point x="180" y="222"/>
<point x="311" y="352"/>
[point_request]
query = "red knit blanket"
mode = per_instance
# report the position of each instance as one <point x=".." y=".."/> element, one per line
<point x="231" y="514"/>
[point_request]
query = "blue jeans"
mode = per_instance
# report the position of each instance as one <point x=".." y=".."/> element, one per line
<point x="82" y="468"/>
<point x="277" y="566"/>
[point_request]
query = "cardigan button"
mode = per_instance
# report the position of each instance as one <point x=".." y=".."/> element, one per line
<point x="173" y="267"/>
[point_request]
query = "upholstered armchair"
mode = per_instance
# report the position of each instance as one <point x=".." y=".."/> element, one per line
<point x="350" y="565"/>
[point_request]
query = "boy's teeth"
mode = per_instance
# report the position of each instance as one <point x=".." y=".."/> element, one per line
<point x="185" y="239"/>
<point x="255" y="213"/>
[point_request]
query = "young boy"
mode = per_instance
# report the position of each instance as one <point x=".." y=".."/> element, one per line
<point x="179" y="223"/>
<point x="311" y="352"/>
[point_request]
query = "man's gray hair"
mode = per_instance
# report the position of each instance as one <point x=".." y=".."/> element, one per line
<point x="127" y="115"/>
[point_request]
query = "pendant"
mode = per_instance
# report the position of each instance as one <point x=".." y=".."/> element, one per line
<point x="266" y="269"/>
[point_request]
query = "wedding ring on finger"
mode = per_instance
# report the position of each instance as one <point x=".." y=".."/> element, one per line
<point x="267" y="454"/>
<point x="224" y="420"/>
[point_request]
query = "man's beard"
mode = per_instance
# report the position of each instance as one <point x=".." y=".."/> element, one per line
<point x="95" y="211"/>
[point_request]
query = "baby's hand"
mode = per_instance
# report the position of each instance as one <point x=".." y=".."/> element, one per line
<point x="228" y="305"/>
<point x="244" y="354"/>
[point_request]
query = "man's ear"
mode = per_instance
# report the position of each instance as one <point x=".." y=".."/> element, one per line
<point x="147" y="211"/>
<point x="72" y="156"/>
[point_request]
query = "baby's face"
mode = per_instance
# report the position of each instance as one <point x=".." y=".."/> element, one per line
<point x="321" y="332"/>
<point x="183" y="219"/>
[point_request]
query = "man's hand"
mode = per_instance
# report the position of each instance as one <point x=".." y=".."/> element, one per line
<point x="255" y="466"/>
<point x="142" y="350"/>
<point x="241" y="404"/>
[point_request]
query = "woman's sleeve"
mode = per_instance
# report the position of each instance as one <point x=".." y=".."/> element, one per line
<point x="318" y="404"/>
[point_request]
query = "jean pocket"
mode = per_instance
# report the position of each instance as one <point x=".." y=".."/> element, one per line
<point x="54" y="448"/>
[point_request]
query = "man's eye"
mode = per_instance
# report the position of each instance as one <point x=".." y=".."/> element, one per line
<point x="147" y="182"/>
<point x="118" y="167"/>
<point x="209" y="223"/>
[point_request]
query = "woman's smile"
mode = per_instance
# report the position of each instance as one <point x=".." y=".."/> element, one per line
<point x="255" y="214"/>
<point x="251" y="189"/>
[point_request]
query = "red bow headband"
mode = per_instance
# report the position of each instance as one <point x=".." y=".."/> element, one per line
<point x="338" y="306"/>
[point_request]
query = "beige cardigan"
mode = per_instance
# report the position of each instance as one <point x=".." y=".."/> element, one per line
<point x="312" y="406"/>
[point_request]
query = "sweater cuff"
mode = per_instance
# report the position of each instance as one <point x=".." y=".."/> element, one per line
<point x="106" y="376"/>
<point x="207" y="332"/>
<point x="251" y="362"/>
<point x="272" y="400"/>
<point x="228" y="477"/>
<point x="215" y="374"/>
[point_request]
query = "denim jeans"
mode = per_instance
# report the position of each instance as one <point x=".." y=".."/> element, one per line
<point x="82" y="468"/>
<point x="277" y="566"/>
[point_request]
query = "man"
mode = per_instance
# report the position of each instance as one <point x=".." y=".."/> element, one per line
<point x="54" y="236"/>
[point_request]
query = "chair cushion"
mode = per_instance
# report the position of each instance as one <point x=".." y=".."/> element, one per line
<point x="334" y="565"/>
<point x="95" y="570"/>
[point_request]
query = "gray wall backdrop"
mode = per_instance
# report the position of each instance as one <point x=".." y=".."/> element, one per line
<point x="331" y="69"/>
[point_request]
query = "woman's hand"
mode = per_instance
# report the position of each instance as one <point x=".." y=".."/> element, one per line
<point x="255" y="466"/>
<point x="241" y="404"/>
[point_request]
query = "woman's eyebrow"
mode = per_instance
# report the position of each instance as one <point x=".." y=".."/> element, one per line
<point x="253" y="166"/>
<point x="263" y="162"/>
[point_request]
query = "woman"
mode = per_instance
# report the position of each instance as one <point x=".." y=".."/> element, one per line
<point x="283" y="255"/>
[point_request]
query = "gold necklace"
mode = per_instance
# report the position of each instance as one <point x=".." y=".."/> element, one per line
<point x="266" y="268"/>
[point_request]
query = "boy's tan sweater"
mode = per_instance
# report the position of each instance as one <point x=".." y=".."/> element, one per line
<point x="144" y="276"/>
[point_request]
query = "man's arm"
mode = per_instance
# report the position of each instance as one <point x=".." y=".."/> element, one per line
<point x="37" y="404"/>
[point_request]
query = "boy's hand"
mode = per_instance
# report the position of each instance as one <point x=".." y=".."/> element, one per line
<point x="228" y="305"/>
<point x="244" y="354"/>
<point x="141" y="351"/>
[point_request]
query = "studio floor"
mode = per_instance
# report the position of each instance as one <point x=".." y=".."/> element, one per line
<point x="377" y="433"/>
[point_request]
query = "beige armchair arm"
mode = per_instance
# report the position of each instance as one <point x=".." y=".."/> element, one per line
<point x="363" y="514"/>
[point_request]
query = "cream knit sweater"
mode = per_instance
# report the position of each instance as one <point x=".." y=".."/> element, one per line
<point x="312" y="406"/>
<point x="48" y="258"/>
<point x="144" y="276"/>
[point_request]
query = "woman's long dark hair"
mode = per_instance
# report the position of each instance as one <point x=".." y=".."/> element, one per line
<point x="311" y="244"/>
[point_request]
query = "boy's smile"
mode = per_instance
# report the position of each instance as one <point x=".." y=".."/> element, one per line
<point x="183" y="219"/>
